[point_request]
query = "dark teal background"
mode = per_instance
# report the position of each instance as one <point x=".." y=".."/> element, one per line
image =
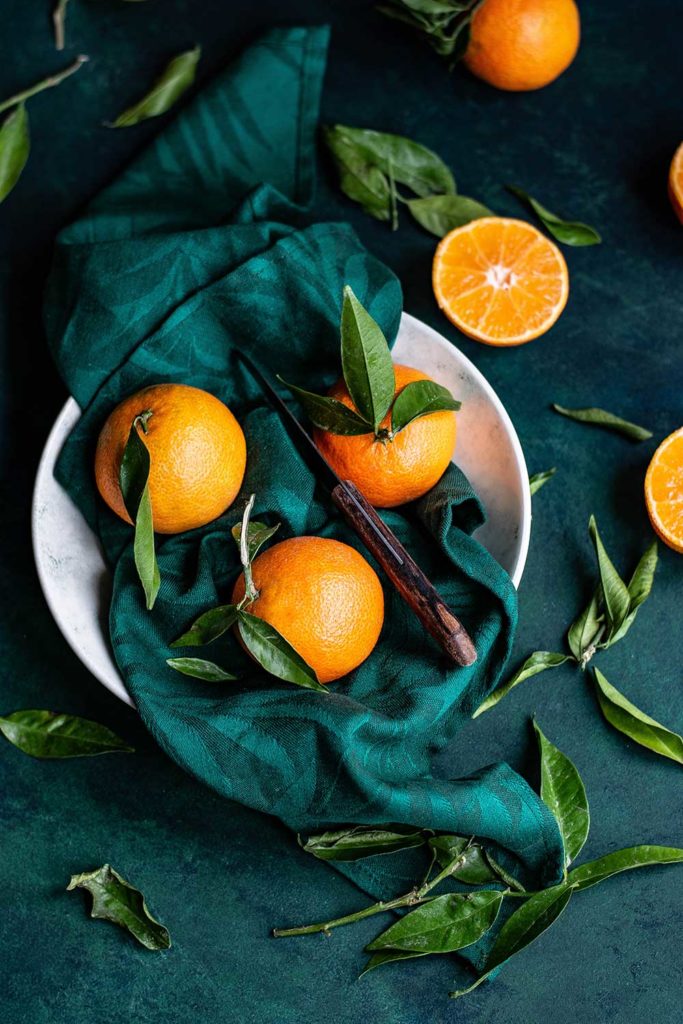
<point x="595" y="145"/>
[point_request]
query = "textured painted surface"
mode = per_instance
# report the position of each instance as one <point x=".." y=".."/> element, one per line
<point x="594" y="146"/>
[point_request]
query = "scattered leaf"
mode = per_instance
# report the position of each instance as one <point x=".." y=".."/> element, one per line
<point x="639" y="590"/>
<point x="208" y="671"/>
<point x="595" y="871"/>
<point x="115" y="899"/>
<point x="361" y="841"/>
<point x="275" y="654"/>
<point x="444" y="924"/>
<point x="133" y="477"/>
<point x="420" y="398"/>
<point x="537" y="662"/>
<point x="366" y="361"/>
<point x="208" y="627"/>
<point x="45" y="734"/>
<point x="441" y="214"/>
<point x="635" y="724"/>
<point x="539" y="479"/>
<point x="443" y="24"/>
<point x="584" y="634"/>
<point x="258" y="534"/>
<point x="615" y="593"/>
<point x="563" y="792"/>
<point x="360" y="180"/>
<point x="175" y="80"/>
<point x="569" y="232"/>
<point x="602" y="418"/>
<point x="328" y="413"/>
<point x="14" y="149"/>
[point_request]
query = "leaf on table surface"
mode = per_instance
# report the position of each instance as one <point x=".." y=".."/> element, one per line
<point x="360" y="841"/>
<point x="14" y="148"/>
<point x="420" y="398"/>
<point x="198" y="668"/>
<point x="208" y="627"/>
<point x="564" y="793"/>
<point x="602" y="418"/>
<point x="133" y="480"/>
<point x="537" y="662"/>
<point x="585" y="632"/>
<point x="175" y="80"/>
<point x="115" y="899"/>
<point x="275" y="654"/>
<point x="566" y="231"/>
<point x="388" y="956"/>
<point x="639" y="589"/>
<point x="407" y="162"/>
<point x="615" y="593"/>
<point x="441" y="214"/>
<point x="366" y="361"/>
<point x="635" y="724"/>
<point x="444" y="924"/>
<point x="360" y="180"/>
<point x="595" y="871"/>
<point x="443" y="24"/>
<point x="45" y="734"/>
<point x="538" y="480"/>
<point x="329" y="413"/>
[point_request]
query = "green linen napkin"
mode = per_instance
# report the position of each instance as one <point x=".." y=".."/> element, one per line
<point x="202" y="249"/>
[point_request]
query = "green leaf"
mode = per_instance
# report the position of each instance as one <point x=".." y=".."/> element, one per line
<point x="441" y="214"/>
<point x="524" y="926"/>
<point x="258" y="534"/>
<point x="208" y="627"/>
<point x="329" y="414"/>
<point x="200" y="669"/>
<point x="634" y="723"/>
<point x="444" y="924"/>
<point x="388" y="956"/>
<point x="133" y="477"/>
<point x="595" y="871"/>
<point x="275" y="654"/>
<point x="366" y="361"/>
<point x="443" y="24"/>
<point x="614" y="591"/>
<point x="539" y="479"/>
<point x="569" y="232"/>
<point x="585" y="632"/>
<point x="640" y="584"/>
<point x="420" y="398"/>
<point x="537" y="662"/>
<point x="602" y="418"/>
<point x="360" y="841"/>
<point x="359" y="179"/>
<point x="45" y="734"/>
<point x="115" y="899"/>
<point x="407" y="162"/>
<point x="14" y="149"/>
<point x="563" y="792"/>
<point x="466" y="860"/>
<point x="175" y="80"/>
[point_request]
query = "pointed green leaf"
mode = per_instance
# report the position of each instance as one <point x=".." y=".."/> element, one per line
<point x="175" y="80"/>
<point x="443" y="24"/>
<point x="408" y="162"/>
<point x="444" y="924"/>
<point x="329" y="414"/>
<point x="524" y="926"/>
<point x="208" y="627"/>
<point x="635" y="724"/>
<point x="563" y="792"/>
<point x="115" y="899"/>
<point x="602" y="418"/>
<point x="366" y="361"/>
<point x="441" y="214"/>
<point x="643" y="577"/>
<point x="566" y="231"/>
<point x="14" y="149"/>
<point x="388" y="956"/>
<point x="537" y="662"/>
<point x="258" y="534"/>
<point x="614" y="590"/>
<point x="133" y="477"/>
<point x="359" y="179"/>
<point x="464" y="860"/>
<point x="207" y="671"/>
<point x="275" y="654"/>
<point x="539" y="479"/>
<point x="586" y="631"/>
<point x="45" y="734"/>
<point x="360" y="841"/>
<point x="595" y="871"/>
<point x="420" y="398"/>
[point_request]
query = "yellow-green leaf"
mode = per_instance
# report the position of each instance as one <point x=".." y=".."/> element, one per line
<point x="175" y="80"/>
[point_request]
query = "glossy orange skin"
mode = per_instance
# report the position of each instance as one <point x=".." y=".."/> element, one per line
<point x="323" y="597"/>
<point x="664" y="490"/>
<point x="519" y="45"/>
<point x="197" y="455"/>
<point x="395" y="471"/>
<point x="675" y="188"/>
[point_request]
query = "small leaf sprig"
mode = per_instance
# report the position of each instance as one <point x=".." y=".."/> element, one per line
<point x="438" y="923"/>
<point x="443" y="24"/>
<point x="369" y="377"/>
<point x="175" y="80"/>
<point x="114" y="899"/>
<point x="46" y="734"/>
<point x="538" y="480"/>
<point x="267" y="646"/>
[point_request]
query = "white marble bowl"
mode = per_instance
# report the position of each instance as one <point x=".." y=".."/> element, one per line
<point x="76" y="581"/>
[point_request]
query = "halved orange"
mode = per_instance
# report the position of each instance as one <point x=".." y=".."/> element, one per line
<point x="676" y="183"/>
<point x="664" y="490"/>
<point x="500" y="280"/>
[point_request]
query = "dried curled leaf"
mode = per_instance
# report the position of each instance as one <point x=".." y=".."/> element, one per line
<point x="115" y="899"/>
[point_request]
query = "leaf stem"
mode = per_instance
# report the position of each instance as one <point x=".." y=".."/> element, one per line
<point x="46" y="83"/>
<point x="58" y="18"/>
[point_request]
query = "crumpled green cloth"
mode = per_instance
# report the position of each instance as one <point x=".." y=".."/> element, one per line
<point x="200" y="249"/>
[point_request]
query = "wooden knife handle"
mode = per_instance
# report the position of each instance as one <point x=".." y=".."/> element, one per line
<point x="405" y="574"/>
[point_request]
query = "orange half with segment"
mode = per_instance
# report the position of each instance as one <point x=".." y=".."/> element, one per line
<point x="664" y="490"/>
<point x="676" y="183"/>
<point x="500" y="280"/>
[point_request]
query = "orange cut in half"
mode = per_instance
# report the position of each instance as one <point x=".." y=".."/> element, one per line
<point x="500" y="280"/>
<point x="664" y="490"/>
<point x="676" y="183"/>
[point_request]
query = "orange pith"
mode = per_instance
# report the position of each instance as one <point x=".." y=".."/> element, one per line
<point x="500" y="280"/>
<point x="523" y="44"/>
<point x="664" y="490"/>
<point x="197" y="455"/>
<point x="676" y="183"/>
<point x="395" y="471"/>
<point x="323" y="597"/>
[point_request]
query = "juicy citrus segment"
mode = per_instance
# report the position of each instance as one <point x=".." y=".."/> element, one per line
<point x="323" y="597"/>
<point x="676" y="183"/>
<point x="664" y="490"/>
<point x="500" y="280"/>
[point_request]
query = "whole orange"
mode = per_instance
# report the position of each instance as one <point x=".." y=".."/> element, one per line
<point x="395" y="469"/>
<point x="324" y="599"/>
<point x="522" y="44"/>
<point x="197" y="455"/>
